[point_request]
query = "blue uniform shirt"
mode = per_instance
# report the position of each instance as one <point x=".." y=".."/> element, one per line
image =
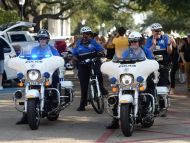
<point x="82" y="49"/>
<point x="39" y="50"/>
<point x="162" y="42"/>
<point x="143" y="52"/>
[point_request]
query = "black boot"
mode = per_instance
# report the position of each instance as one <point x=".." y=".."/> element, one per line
<point x="114" y="124"/>
<point x="81" y="108"/>
<point x="23" y="120"/>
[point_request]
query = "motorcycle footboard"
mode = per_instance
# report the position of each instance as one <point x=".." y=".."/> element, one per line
<point x="163" y="93"/>
<point x="162" y="90"/>
<point x="67" y="91"/>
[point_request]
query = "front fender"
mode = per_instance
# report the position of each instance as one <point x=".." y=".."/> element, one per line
<point x="33" y="93"/>
<point x="125" y="98"/>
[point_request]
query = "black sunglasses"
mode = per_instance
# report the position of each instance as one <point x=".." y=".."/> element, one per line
<point x="86" y="33"/>
<point x="43" y="38"/>
<point x="157" y="30"/>
<point x="134" y="41"/>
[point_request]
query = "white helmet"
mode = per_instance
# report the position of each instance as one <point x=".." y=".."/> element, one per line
<point x="135" y="36"/>
<point x="85" y="29"/>
<point x="156" y="26"/>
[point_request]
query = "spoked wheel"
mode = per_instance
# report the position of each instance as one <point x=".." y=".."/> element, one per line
<point x="126" y="118"/>
<point x="33" y="113"/>
<point x="96" y="101"/>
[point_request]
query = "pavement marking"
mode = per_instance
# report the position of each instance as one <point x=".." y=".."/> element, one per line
<point x="105" y="136"/>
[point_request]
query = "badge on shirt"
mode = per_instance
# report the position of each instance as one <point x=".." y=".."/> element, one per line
<point x="157" y="47"/>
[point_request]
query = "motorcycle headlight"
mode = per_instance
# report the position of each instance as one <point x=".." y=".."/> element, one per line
<point x="33" y="75"/>
<point x="127" y="79"/>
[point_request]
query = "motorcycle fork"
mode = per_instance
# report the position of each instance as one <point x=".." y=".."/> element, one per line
<point x="41" y="98"/>
<point x="42" y="91"/>
<point x="134" y="104"/>
<point x="25" y="101"/>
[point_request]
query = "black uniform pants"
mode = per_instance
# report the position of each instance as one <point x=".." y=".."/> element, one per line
<point x="164" y="75"/>
<point x="175" y="67"/>
<point x="55" y="79"/>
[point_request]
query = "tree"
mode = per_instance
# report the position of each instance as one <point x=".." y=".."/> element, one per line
<point x="170" y="20"/>
<point x="96" y="12"/>
<point x="107" y="10"/>
<point x="8" y="16"/>
<point x="38" y="10"/>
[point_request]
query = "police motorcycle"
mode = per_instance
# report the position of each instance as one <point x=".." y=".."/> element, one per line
<point x="128" y="82"/>
<point x="40" y="100"/>
<point x="163" y="99"/>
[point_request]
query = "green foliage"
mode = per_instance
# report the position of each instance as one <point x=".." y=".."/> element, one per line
<point x="169" y="19"/>
<point x="8" y="16"/>
<point x="96" y="12"/>
<point x="172" y="14"/>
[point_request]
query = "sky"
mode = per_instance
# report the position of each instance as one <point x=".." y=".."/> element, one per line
<point x="139" y="18"/>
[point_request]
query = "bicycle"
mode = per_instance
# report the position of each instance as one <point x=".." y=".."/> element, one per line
<point x="95" y="96"/>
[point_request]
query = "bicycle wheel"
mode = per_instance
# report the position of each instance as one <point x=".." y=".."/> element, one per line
<point x="96" y="101"/>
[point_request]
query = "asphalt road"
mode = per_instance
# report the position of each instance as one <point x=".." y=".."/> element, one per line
<point x="88" y="126"/>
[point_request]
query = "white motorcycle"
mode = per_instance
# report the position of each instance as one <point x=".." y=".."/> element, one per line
<point x="38" y="97"/>
<point x="129" y="82"/>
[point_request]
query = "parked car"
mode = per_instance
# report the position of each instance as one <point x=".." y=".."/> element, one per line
<point x="9" y="52"/>
<point x="17" y="33"/>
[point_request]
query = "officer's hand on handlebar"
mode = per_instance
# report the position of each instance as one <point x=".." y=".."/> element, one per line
<point x="101" y="54"/>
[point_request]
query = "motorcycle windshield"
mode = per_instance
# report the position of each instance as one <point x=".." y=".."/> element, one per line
<point x="130" y="60"/>
<point x="35" y="53"/>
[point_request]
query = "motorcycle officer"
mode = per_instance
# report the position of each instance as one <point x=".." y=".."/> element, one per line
<point x="87" y="47"/>
<point x="43" y="37"/>
<point x="136" y="51"/>
<point x="163" y="44"/>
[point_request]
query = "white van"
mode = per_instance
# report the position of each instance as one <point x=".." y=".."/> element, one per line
<point x="9" y="52"/>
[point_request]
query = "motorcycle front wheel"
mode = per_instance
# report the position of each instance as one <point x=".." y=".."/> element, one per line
<point x="33" y="113"/>
<point x="96" y="101"/>
<point x="126" y="119"/>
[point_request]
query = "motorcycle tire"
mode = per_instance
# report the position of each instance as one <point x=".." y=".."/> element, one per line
<point x="126" y="119"/>
<point x="96" y="102"/>
<point x="33" y="113"/>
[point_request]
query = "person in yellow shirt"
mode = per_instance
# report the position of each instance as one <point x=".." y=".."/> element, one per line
<point x="110" y="49"/>
<point x="120" y="43"/>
